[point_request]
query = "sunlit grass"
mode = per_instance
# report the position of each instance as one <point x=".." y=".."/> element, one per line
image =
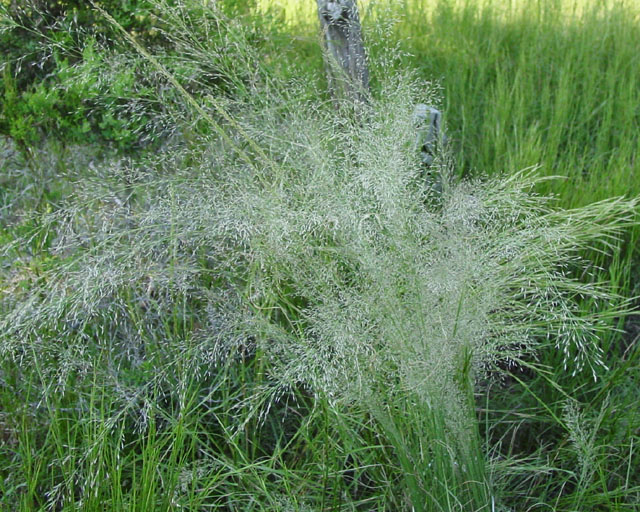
<point x="304" y="12"/>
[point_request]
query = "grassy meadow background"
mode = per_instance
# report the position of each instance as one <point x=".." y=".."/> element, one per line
<point x="180" y="266"/>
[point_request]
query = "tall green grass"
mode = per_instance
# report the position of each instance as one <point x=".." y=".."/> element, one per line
<point x="547" y="82"/>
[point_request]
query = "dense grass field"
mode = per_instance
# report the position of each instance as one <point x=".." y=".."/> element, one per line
<point x="220" y="292"/>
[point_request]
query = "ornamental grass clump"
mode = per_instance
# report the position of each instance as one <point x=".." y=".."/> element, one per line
<point x="329" y="257"/>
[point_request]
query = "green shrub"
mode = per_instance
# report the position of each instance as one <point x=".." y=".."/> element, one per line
<point x="64" y="76"/>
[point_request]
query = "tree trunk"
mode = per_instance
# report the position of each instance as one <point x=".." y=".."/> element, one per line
<point x="346" y="59"/>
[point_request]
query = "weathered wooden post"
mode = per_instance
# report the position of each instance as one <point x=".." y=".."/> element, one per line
<point x="430" y="138"/>
<point x="348" y="74"/>
<point x="430" y="141"/>
<point x="346" y="60"/>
